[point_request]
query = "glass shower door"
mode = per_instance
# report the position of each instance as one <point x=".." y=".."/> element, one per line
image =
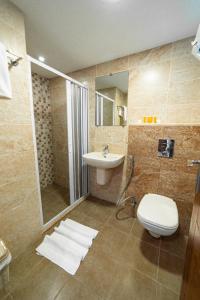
<point x="77" y="112"/>
<point x="60" y="126"/>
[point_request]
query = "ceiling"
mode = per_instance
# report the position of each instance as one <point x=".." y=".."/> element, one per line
<point x="119" y="80"/>
<point x="74" y="34"/>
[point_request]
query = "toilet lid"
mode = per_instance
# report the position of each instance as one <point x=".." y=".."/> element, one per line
<point x="158" y="210"/>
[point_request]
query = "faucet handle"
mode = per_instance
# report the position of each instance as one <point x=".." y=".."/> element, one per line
<point x="192" y="162"/>
<point x="105" y="145"/>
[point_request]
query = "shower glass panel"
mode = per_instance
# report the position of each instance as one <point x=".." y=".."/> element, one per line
<point x="77" y="107"/>
<point x="105" y="110"/>
<point x="61" y="139"/>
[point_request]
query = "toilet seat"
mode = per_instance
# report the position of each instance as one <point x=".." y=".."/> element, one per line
<point x="158" y="214"/>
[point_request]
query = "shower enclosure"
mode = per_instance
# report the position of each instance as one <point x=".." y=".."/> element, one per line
<point x="60" y="120"/>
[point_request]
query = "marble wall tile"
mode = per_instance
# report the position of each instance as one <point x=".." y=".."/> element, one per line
<point x="16" y="137"/>
<point x="170" y="177"/>
<point x="20" y="222"/>
<point x="181" y="47"/>
<point x="177" y="185"/>
<point x="155" y="55"/>
<point x="16" y="165"/>
<point x="178" y="114"/>
<point x="20" y="226"/>
<point x="184" y="92"/>
<point x="184" y="68"/>
<point x="113" y="66"/>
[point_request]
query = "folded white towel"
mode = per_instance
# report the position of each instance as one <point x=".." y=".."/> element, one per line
<point x="66" y="246"/>
<point x="5" y="85"/>
<point x="62" y="258"/>
<point x="75" y="236"/>
<point x="69" y="245"/>
<point x="81" y="229"/>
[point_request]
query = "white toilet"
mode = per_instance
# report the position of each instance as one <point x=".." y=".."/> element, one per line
<point x="5" y="259"/>
<point x="158" y="214"/>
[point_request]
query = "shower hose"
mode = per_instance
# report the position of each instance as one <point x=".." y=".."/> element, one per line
<point x="122" y="201"/>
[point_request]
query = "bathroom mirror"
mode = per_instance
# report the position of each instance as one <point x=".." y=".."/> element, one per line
<point x="111" y="99"/>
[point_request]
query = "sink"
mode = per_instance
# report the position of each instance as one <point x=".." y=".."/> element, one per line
<point x="104" y="164"/>
<point x="98" y="160"/>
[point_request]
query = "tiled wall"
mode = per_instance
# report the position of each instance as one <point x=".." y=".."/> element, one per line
<point x="163" y="81"/>
<point x="60" y="142"/>
<point x="43" y="128"/>
<point x="20" y="222"/>
<point x="169" y="177"/>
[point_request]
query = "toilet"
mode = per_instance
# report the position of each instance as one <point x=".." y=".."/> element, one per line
<point x="158" y="214"/>
<point x="5" y="259"/>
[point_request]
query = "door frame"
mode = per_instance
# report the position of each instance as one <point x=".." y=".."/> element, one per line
<point x="50" y="223"/>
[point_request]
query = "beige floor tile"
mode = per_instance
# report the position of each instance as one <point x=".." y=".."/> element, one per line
<point x="175" y="244"/>
<point x="88" y="221"/>
<point x="170" y="271"/>
<point x="8" y="297"/>
<point x="100" y="210"/>
<point x="140" y="256"/>
<point x="122" y="225"/>
<point x="44" y="283"/>
<point x="75" y="290"/>
<point x="130" y="284"/>
<point x="4" y="293"/>
<point x="141" y="233"/>
<point x="110" y="241"/>
<point x="54" y="200"/>
<point x="165" y="294"/>
<point x="97" y="272"/>
<point x="24" y="265"/>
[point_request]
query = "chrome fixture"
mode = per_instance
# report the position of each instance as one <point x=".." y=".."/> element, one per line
<point x="196" y="45"/>
<point x="192" y="162"/>
<point x="105" y="150"/>
<point x="13" y="59"/>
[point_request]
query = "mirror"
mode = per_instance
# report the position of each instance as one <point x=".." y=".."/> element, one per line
<point x="111" y="99"/>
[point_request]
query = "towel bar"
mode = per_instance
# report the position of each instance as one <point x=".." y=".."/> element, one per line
<point x="14" y="59"/>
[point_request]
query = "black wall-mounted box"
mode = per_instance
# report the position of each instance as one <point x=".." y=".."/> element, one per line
<point x="166" y="148"/>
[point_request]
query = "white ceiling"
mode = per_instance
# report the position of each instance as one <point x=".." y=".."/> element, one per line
<point x="119" y="80"/>
<point x="74" y="34"/>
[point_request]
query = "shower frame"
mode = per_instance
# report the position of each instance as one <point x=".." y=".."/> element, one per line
<point x="47" y="225"/>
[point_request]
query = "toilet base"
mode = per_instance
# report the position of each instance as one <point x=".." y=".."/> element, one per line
<point x="157" y="236"/>
<point x="4" y="277"/>
<point x="4" y="271"/>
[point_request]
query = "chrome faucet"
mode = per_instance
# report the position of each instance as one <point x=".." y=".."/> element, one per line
<point x="105" y="150"/>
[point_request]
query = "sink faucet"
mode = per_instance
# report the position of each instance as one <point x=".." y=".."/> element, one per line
<point x="105" y="150"/>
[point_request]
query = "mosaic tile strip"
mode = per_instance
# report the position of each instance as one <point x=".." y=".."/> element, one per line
<point x="43" y="125"/>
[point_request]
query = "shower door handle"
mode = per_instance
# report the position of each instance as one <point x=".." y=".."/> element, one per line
<point x="192" y="162"/>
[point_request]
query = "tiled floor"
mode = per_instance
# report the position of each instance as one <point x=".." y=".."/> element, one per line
<point x="123" y="263"/>
<point x="54" y="200"/>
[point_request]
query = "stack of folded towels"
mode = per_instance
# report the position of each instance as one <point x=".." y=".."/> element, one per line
<point x="68" y="245"/>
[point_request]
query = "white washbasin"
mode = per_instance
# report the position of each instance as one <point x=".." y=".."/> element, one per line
<point x="97" y="159"/>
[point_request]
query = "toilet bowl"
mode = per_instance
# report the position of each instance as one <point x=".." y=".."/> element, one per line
<point x="5" y="259"/>
<point x="158" y="214"/>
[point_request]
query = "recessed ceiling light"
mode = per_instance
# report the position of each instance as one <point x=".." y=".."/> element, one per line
<point x="111" y="1"/>
<point x="41" y="58"/>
